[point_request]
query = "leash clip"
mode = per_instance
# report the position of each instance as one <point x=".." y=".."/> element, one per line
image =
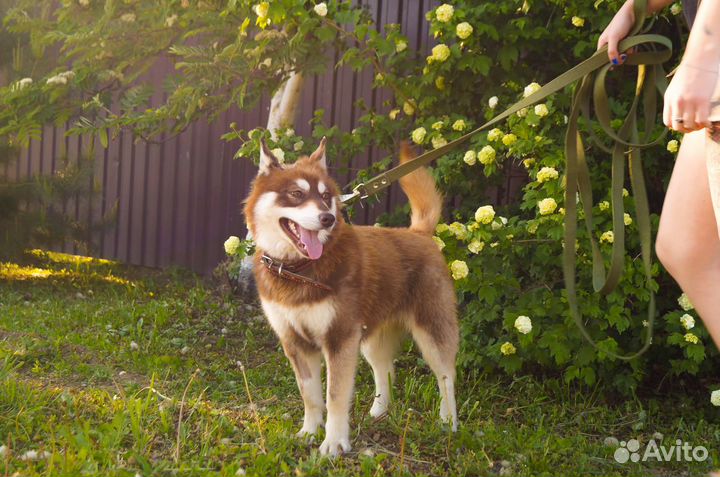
<point x="359" y="192"/>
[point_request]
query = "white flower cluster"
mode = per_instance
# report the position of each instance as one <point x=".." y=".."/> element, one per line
<point x="685" y="303"/>
<point x="495" y="134"/>
<point x="279" y="154"/>
<point x="546" y="174"/>
<point x="463" y="30"/>
<point x="444" y="13"/>
<point x="459" y="269"/>
<point x="509" y="139"/>
<point x="541" y="110"/>
<point x="321" y="9"/>
<point x="476" y="246"/>
<point x="523" y="324"/>
<point x="547" y="206"/>
<point x="459" y="230"/>
<point x="232" y="244"/>
<point x="608" y="237"/>
<point x="438" y="141"/>
<point x="530" y="89"/>
<point x="486" y="155"/>
<point x="485" y="214"/>
<point x="61" y="79"/>
<point x="440" y="53"/>
<point x="715" y="397"/>
<point x="687" y="321"/>
<point x="459" y="125"/>
<point x="22" y="84"/>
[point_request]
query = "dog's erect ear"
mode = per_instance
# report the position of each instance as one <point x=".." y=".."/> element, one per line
<point x="319" y="154"/>
<point x="268" y="161"/>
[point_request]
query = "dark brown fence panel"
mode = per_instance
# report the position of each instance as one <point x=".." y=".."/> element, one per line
<point x="177" y="200"/>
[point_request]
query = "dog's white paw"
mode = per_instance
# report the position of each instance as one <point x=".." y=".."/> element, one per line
<point x="334" y="446"/>
<point x="379" y="408"/>
<point x="311" y="423"/>
<point x="447" y="419"/>
<point x="308" y="434"/>
<point x="307" y="431"/>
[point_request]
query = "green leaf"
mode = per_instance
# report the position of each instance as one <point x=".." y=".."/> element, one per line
<point x="104" y="137"/>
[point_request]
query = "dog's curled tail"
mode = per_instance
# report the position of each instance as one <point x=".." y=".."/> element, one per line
<point x="425" y="199"/>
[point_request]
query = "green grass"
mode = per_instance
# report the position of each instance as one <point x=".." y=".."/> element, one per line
<point x="119" y="371"/>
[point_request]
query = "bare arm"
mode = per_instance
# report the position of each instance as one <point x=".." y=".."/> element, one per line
<point x="621" y="25"/>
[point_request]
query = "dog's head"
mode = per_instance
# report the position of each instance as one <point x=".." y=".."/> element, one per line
<point x="292" y="211"/>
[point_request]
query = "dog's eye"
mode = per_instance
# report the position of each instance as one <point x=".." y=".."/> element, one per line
<point x="296" y="194"/>
<point x="326" y="196"/>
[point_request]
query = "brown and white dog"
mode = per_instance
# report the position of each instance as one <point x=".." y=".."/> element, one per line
<point x="361" y="288"/>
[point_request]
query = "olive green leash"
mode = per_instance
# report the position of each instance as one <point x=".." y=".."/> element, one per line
<point x="651" y="51"/>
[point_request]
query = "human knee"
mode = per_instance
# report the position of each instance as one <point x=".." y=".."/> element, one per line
<point x="682" y="255"/>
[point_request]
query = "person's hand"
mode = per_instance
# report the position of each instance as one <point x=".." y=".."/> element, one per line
<point x="617" y="30"/>
<point x="687" y="98"/>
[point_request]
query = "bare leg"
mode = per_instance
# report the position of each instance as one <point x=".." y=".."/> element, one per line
<point x="687" y="243"/>
<point x="379" y="351"/>
<point x="341" y="360"/>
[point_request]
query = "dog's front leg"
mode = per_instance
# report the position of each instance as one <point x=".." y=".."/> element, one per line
<point x="341" y="356"/>
<point x="306" y="361"/>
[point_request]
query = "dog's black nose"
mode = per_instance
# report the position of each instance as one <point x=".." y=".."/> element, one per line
<point x="327" y="219"/>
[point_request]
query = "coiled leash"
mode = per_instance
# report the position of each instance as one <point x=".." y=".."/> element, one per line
<point x="651" y="51"/>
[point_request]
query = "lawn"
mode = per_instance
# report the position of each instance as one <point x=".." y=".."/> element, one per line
<point x="115" y="371"/>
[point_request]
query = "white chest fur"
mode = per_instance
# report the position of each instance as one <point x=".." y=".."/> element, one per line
<point x="310" y="321"/>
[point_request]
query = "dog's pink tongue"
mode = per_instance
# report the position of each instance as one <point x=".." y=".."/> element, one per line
<point x="312" y="243"/>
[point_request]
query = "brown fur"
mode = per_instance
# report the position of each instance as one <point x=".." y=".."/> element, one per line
<point x="381" y="279"/>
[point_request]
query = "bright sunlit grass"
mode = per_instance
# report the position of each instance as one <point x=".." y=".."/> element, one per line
<point x="15" y="272"/>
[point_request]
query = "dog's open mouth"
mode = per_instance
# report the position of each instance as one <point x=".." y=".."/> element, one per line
<point x="306" y="241"/>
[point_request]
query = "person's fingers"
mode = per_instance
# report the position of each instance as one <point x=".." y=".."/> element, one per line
<point x="602" y="41"/>
<point x="613" y="55"/>
<point x="667" y="113"/>
<point x="702" y="115"/>
<point x="688" y="116"/>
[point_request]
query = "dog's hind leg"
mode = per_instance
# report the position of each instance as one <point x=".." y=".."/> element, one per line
<point x="379" y="349"/>
<point x="306" y="361"/>
<point x="439" y="345"/>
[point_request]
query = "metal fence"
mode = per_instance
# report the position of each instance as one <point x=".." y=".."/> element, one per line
<point x="179" y="199"/>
